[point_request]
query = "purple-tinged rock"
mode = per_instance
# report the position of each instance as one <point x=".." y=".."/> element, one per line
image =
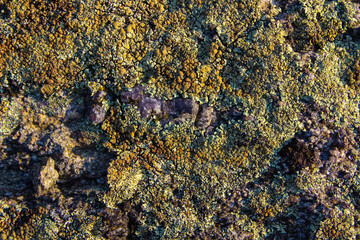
<point x="150" y="106"/>
<point x="181" y="109"/>
<point x="97" y="113"/>
<point x="135" y="95"/>
<point x="206" y="117"/>
<point x="176" y="110"/>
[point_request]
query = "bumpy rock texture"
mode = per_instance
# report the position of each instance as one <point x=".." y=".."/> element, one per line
<point x="45" y="177"/>
<point x="179" y="119"/>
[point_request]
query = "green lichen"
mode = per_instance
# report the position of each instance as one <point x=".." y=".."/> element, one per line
<point x="9" y="117"/>
<point x="272" y="61"/>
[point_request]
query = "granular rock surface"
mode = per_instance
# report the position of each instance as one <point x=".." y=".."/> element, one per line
<point x="179" y="119"/>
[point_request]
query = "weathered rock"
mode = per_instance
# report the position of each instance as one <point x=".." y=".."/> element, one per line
<point x="150" y="106"/>
<point x="99" y="96"/>
<point x="181" y="109"/>
<point x="45" y="177"/>
<point x="176" y="110"/>
<point x="116" y="225"/>
<point x="97" y="113"/>
<point x="206" y="117"/>
<point x="135" y="95"/>
<point x="75" y="112"/>
<point x="90" y="164"/>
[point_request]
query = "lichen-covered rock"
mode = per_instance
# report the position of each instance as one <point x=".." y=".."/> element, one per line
<point x="332" y="151"/>
<point x="123" y="181"/>
<point x="134" y="95"/>
<point x="45" y="177"/>
<point x="180" y="119"/>
<point x="88" y="163"/>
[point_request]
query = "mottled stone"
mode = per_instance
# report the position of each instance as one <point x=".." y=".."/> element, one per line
<point x="181" y="109"/>
<point x="150" y="106"/>
<point x="83" y="163"/>
<point x="75" y="112"/>
<point x="99" y="96"/>
<point x="178" y="109"/>
<point x="45" y="177"/>
<point x="134" y="95"/>
<point x="97" y="114"/>
<point x="206" y="117"/>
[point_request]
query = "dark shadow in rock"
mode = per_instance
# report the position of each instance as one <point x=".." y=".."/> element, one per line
<point x="86" y="170"/>
<point x="354" y="33"/>
<point x="15" y="181"/>
<point x="95" y="163"/>
<point x="4" y="12"/>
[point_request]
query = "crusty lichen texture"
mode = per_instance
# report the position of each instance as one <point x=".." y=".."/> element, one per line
<point x="179" y="119"/>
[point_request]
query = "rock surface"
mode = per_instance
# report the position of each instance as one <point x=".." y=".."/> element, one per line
<point x="45" y="177"/>
<point x="179" y="119"/>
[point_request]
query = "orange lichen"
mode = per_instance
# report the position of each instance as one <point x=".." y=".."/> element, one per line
<point x="124" y="160"/>
<point x="331" y="229"/>
<point x="31" y="21"/>
<point x="266" y="212"/>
